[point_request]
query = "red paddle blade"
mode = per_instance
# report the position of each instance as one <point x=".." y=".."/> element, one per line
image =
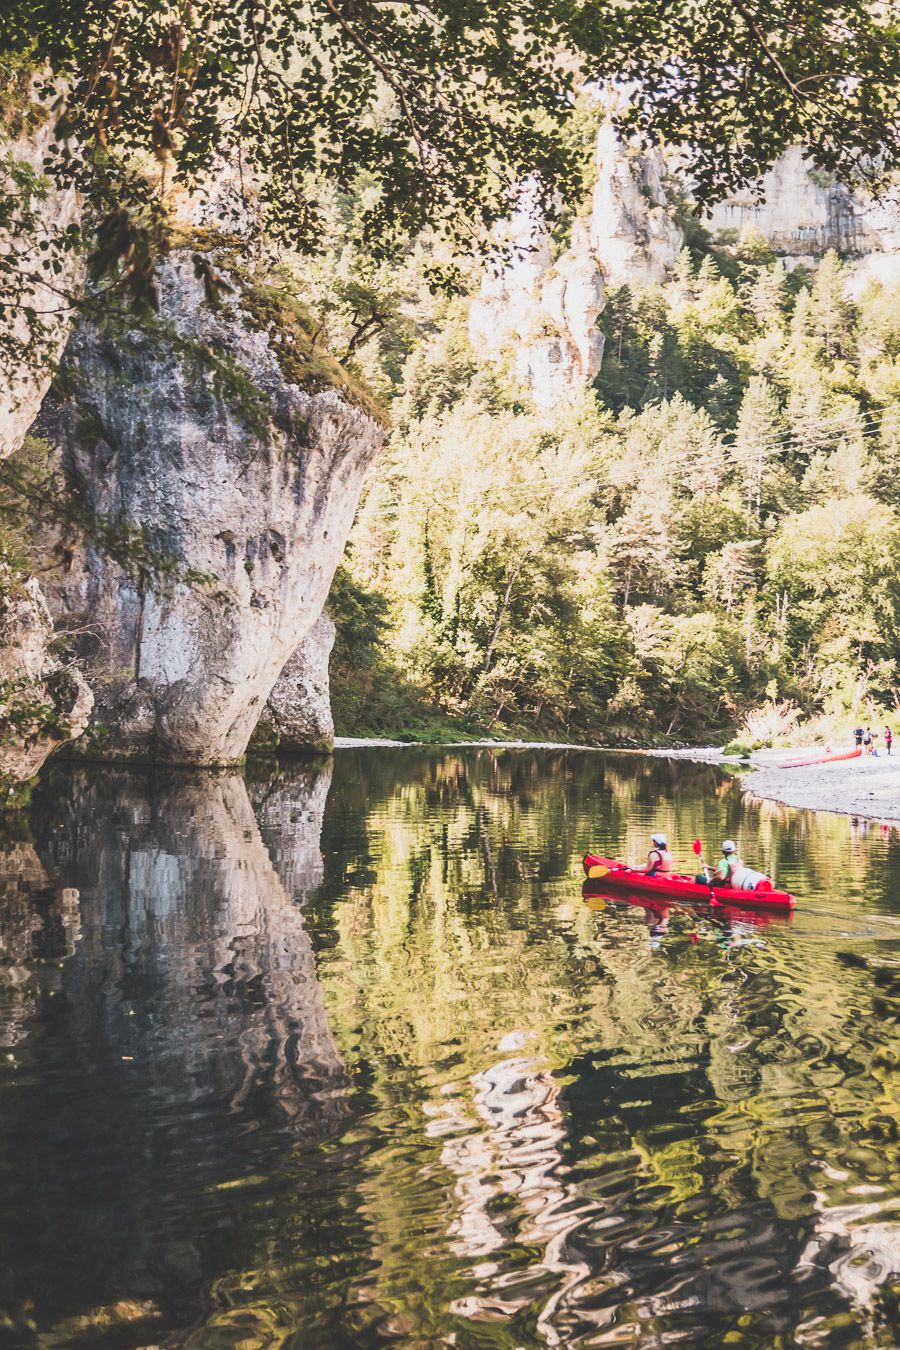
<point x="698" y="847"/>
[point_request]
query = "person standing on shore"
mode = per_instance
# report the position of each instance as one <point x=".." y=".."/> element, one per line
<point x="858" y="737"/>
<point x="888" y="738"/>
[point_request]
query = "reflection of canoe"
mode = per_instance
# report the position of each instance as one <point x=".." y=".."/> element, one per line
<point x="827" y="758"/>
<point x="596" y="896"/>
<point x="618" y="876"/>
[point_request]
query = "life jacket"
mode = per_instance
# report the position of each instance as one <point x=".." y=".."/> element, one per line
<point x="732" y="863"/>
<point x="666" y="861"/>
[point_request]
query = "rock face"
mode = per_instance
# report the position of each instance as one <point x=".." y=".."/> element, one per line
<point x="42" y="703"/>
<point x="297" y="715"/>
<point x="633" y="231"/>
<point x="797" y="209"/>
<point x="233" y="451"/>
<point x="802" y="212"/>
<point x="542" y="314"/>
<point x="25" y="145"/>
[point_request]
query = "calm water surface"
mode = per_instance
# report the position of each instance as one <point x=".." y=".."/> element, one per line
<point x="339" y="1056"/>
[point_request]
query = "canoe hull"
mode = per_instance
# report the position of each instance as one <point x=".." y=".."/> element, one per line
<point x="594" y="891"/>
<point x="676" y="887"/>
<point x="821" y="759"/>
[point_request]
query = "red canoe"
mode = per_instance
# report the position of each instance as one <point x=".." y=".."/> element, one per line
<point x="621" y="877"/>
<point x="593" y="890"/>
<point x="827" y="758"/>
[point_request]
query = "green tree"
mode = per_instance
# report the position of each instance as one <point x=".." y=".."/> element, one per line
<point x="757" y="442"/>
<point x="833" y="575"/>
<point x="643" y="555"/>
<point x="832" y="314"/>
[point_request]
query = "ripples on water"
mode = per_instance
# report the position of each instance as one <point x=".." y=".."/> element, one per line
<point x="299" y="1062"/>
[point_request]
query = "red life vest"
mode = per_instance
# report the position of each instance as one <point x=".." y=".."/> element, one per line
<point x="666" y="861"/>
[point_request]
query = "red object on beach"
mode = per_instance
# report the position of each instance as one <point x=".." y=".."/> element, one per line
<point x="617" y="875"/>
<point x="821" y="759"/>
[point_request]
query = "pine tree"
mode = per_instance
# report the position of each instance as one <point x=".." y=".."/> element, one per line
<point x="831" y="311"/>
<point x="430" y="601"/>
<point x="642" y="553"/>
<point x="766" y="297"/>
<point x="757" y="441"/>
<point x="730" y="572"/>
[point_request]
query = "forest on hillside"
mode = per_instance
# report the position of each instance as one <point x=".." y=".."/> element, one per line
<point x="707" y="533"/>
<point x="238" y="244"/>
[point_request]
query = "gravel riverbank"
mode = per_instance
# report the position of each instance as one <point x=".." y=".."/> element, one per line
<point x="867" y="787"/>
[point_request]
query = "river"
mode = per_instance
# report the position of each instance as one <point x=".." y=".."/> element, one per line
<point x="338" y="1055"/>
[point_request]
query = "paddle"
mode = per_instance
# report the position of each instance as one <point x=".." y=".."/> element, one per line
<point x="698" y="849"/>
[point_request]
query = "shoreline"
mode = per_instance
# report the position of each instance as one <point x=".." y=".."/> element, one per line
<point x="868" y="787"/>
<point x="706" y="754"/>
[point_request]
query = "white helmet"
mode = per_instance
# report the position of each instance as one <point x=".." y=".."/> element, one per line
<point x="659" y="840"/>
<point x="729" y="846"/>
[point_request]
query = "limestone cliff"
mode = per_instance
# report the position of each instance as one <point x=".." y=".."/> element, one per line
<point x="634" y="232"/>
<point x="42" y="702"/>
<point x="540" y="313"/>
<point x="802" y="212"/>
<point x="220" y="437"/>
<point x="297" y="715"/>
<point x="41" y="213"/>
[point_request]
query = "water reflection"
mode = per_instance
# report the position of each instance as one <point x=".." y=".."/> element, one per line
<point x="185" y="1011"/>
<point x="204" y="928"/>
<point x="39" y="926"/>
<point x="321" y="1062"/>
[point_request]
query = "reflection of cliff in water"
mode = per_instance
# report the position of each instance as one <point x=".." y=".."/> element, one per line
<point x="183" y="912"/>
<point x="186" y="1042"/>
<point x="39" y="926"/>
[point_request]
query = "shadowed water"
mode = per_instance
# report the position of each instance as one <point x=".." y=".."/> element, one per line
<point x="340" y="1056"/>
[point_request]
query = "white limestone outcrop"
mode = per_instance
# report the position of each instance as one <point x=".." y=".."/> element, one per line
<point x="42" y="702"/>
<point x="196" y="433"/>
<point x="24" y="146"/>
<point x="297" y="715"/>
<point x="540" y="313"/>
<point x="633" y="231"/>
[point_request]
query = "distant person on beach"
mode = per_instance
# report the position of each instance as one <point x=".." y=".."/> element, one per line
<point x="888" y="738"/>
<point x="858" y="737"/>
<point x="869" y="742"/>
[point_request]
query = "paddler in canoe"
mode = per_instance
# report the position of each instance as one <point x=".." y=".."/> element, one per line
<point x="730" y="870"/>
<point x="659" y="859"/>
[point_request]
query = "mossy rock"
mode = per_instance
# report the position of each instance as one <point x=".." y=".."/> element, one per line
<point x="292" y="335"/>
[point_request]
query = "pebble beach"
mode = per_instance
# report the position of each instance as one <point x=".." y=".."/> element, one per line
<point x="869" y="786"/>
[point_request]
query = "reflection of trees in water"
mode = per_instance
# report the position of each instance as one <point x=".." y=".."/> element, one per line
<point x="457" y="920"/>
<point x="187" y="1045"/>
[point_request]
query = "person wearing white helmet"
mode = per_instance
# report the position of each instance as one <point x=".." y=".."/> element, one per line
<point x="729" y="863"/>
<point x="659" y="859"/>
